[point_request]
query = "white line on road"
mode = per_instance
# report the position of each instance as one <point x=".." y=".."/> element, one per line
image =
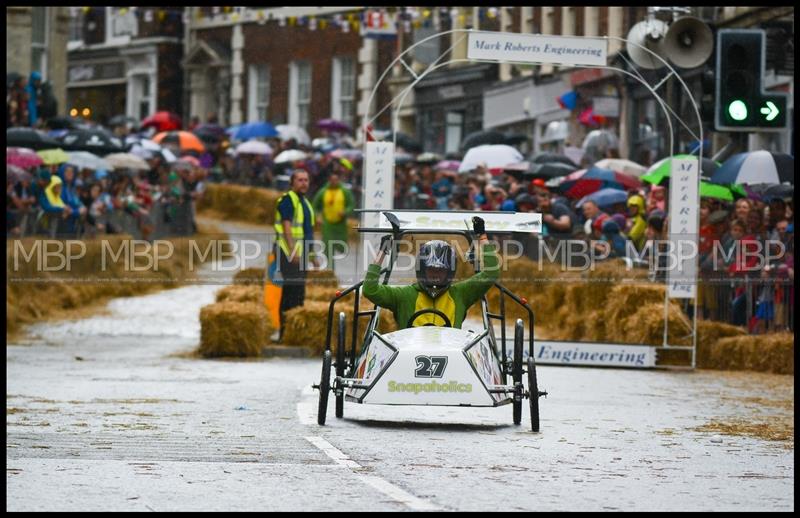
<point x="378" y="483"/>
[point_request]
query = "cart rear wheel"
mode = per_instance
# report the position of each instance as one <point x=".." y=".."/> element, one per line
<point x="533" y="398"/>
<point x="519" y="330"/>
<point x="324" y="387"/>
<point x="340" y="353"/>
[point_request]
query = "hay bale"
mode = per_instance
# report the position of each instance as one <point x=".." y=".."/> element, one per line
<point x="324" y="277"/>
<point x="625" y="299"/>
<point x="245" y="293"/>
<point x="237" y="202"/>
<point x="764" y="353"/>
<point x="233" y="329"/>
<point x="250" y="276"/>
<point x="306" y="325"/>
<point x="646" y="325"/>
<point x="323" y="293"/>
<point x="708" y="333"/>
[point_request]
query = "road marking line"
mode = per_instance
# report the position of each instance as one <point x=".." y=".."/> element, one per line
<point x="387" y="488"/>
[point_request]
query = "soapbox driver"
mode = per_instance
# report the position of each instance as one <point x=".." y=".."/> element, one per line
<point x="433" y="364"/>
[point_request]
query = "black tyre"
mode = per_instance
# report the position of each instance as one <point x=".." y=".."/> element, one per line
<point x="324" y="388"/>
<point x="340" y="361"/>
<point x="533" y="399"/>
<point x="516" y="373"/>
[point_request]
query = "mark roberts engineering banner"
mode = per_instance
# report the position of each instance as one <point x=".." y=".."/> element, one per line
<point x="683" y="215"/>
<point x="536" y="48"/>
<point x="548" y="352"/>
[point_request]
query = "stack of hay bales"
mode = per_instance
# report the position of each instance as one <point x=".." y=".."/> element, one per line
<point x="765" y="353"/>
<point x="250" y="276"/>
<point x="708" y="334"/>
<point x="306" y="326"/>
<point x="232" y="328"/>
<point x="244" y="293"/>
<point x="251" y="204"/>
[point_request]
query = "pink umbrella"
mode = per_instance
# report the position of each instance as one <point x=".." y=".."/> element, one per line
<point x="191" y="160"/>
<point x="447" y="165"/>
<point x="22" y="157"/>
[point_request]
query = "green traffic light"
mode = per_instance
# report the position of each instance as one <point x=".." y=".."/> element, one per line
<point x="770" y="111"/>
<point x="737" y="110"/>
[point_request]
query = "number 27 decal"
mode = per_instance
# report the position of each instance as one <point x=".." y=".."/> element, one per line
<point x="430" y="366"/>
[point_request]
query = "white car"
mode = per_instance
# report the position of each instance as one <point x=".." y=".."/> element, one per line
<point x="438" y="366"/>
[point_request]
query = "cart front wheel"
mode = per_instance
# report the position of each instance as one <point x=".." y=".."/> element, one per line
<point x="324" y="388"/>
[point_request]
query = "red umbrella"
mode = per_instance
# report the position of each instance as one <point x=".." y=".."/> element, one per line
<point x="163" y="121"/>
<point x="22" y="157"/>
<point x="184" y="140"/>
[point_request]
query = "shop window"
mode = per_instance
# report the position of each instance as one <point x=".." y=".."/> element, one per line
<point x="454" y="131"/>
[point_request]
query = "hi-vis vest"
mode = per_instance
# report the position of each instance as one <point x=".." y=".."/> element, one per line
<point x="443" y="303"/>
<point x="297" y="224"/>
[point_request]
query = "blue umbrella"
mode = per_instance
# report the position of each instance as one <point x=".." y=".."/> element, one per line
<point x="255" y="130"/>
<point x="756" y="167"/>
<point x="605" y="197"/>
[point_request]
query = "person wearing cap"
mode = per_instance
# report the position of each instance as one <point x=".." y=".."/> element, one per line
<point x="294" y="229"/>
<point x="434" y="289"/>
<point x="334" y="203"/>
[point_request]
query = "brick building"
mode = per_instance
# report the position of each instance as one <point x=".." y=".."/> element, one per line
<point x="125" y="60"/>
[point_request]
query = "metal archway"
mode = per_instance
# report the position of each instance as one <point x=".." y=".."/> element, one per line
<point x="399" y="99"/>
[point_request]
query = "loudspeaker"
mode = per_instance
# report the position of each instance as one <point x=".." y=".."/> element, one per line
<point x="649" y="34"/>
<point x="689" y="42"/>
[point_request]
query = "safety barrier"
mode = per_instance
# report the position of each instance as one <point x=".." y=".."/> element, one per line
<point x="165" y="219"/>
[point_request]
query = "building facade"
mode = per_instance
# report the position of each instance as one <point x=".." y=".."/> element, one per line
<point x="124" y="61"/>
<point x="36" y="40"/>
<point x="285" y="65"/>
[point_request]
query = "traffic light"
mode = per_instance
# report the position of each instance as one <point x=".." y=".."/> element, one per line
<point x="708" y="86"/>
<point x="741" y="103"/>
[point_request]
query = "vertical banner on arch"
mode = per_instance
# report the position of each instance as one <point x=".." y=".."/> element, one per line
<point x="378" y="187"/>
<point x="683" y="213"/>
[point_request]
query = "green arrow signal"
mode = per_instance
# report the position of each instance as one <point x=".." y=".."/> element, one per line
<point x="770" y="110"/>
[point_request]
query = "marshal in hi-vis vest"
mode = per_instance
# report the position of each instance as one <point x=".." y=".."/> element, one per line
<point x="298" y="219"/>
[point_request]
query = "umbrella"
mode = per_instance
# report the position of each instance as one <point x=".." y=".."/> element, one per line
<point x="595" y="179"/>
<point x="605" y="197"/>
<point x="290" y="155"/>
<point x="767" y="191"/>
<point x="98" y="141"/>
<point x="483" y="137"/>
<point x="163" y="121"/>
<point x="555" y="131"/>
<point x="712" y="190"/>
<point x="17" y="174"/>
<point x="123" y="120"/>
<point x="447" y="165"/>
<point x="254" y="130"/>
<point x="543" y="158"/>
<point x="402" y="158"/>
<point x="127" y="161"/>
<point x="184" y="140"/>
<point x="549" y="170"/>
<point x="663" y="168"/>
<point x="53" y="156"/>
<point x="86" y="160"/>
<point x="190" y="160"/>
<point x="756" y="167"/>
<point x="323" y="144"/>
<point x="514" y="139"/>
<point x="57" y="134"/>
<point x="622" y="165"/>
<point x="405" y="141"/>
<point x="598" y="142"/>
<point x="490" y="156"/>
<point x="350" y="154"/>
<point x="211" y="133"/>
<point x="334" y="126"/>
<point x="62" y="122"/>
<point x="254" y="147"/>
<point x="22" y="157"/>
<point x="29" y="138"/>
<point x="287" y="132"/>
<point x="428" y="158"/>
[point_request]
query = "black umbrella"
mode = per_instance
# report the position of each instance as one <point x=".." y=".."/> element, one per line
<point x="406" y="142"/>
<point x="515" y="139"/>
<point x="479" y="138"/>
<point x="772" y="191"/>
<point x="544" y="158"/>
<point x="97" y="141"/>
<point x="210" y="132"/>
<point x="549" y="170"/>
<point x="63" y="122"/>
<point x="30" y="138"/>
